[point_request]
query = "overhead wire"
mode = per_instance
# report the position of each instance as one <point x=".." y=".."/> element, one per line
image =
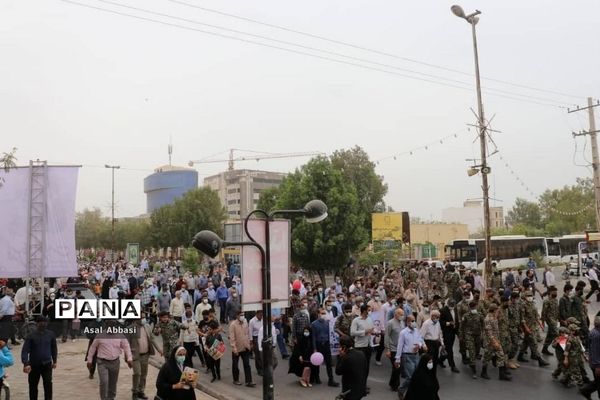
<point x="355" y="64"/>
<point x="333" y="53"/>
<point x="367" y="49"/>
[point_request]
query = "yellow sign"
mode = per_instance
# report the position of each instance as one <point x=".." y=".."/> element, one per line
<point x="592" y="236"/>
<point x="386" y="226"/>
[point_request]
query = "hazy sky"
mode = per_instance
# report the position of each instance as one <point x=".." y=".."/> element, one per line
<point x="82" y="86"/>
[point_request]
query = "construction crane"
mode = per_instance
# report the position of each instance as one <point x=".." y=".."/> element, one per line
<point x="257" y="157"/>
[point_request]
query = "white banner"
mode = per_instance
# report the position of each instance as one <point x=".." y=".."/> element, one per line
<point x="60" y="256"/>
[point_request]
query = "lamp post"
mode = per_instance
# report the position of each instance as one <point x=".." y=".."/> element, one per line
<point x="112" y="232"/>
<point x="472" y="19"/>
<point x="211" y="244"/>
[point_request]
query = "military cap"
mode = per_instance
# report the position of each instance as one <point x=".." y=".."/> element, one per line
<point x="573" y="328"/>
<point x="493" y="307"/>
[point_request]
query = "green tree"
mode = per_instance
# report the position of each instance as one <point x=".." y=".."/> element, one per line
<point x="7" y="161"/>
<point x="191" y="260"/>
<point x="359" y="170"/>
<point x="325" y="246"/>
<point x="268" y="199"/>
<point x="557" y="205"/>
<point x="525" y="213"/>
<point x="92" y="229"/>
<point x="175" y="224"/>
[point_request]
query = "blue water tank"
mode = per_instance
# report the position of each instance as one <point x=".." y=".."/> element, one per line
<point x="167" y="184"/>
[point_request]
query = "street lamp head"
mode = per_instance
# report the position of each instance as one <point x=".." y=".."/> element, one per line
<point x="106" y="166"/>
<point x="208" y="242"/>
<point x="458" y="11"/>
<point x="315" y="211"/>
<point x="473" y="20"/>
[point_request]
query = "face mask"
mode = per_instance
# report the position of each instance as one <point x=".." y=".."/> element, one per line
<point x="358" y="285"/>
<point x="413" y="324"/>
<point x="348" y="314"/>
<point x="430" y="365"/>
<point x="435" y="321"/>
<point x="473" y="311"/>
<point x="369" y="313"/>
<point x="205" y="301"/>
<point x="180" y="359"/>
<point x="530" y="299"/>
<point x="328" y="308"/>
<point x="306" y="334"/>
<point x="234" y="296"/>
<point x="377" y="298"/>
<point x="426" y="309"/>
<point x="320" y="290"/>
<point x="241" y="318"/>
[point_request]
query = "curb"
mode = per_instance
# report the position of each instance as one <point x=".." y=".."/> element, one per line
<point x="208" y="390"/>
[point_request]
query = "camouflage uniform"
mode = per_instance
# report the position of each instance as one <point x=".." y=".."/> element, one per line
<point x="531" y="328"/>
<point x="574" y="354"/>
<point x="462" y="308"/>
<point x="504" y="330"/>
<point x="169" y="332"/>
<point x="451" y="279"/>
<point x="514" y="327"/>
<point x="550" y="318"/>
<point x="471" y="327"/>
<point x="559" y="352"/>
<point x="491" y="339"/>
<point x="496" y="282"/>
<point x="342" y="323"/>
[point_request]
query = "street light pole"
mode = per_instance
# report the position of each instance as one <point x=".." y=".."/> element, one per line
<point x="112" y="232"/>
<point x="210" y="244"/>
<point x="472" y="19"/>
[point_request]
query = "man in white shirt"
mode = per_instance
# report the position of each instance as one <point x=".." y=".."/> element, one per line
<point x="177" y="308"/>
<point x="549" y="279"/>
<point x="432" y="334"/>
<point x="254" y="327"/>
<point x="361" y="330"/>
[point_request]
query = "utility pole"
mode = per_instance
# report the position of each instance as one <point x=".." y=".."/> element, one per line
<point x="112" y="232"/>
<point x="595" y="159"/>
<point x="472" y="19"/>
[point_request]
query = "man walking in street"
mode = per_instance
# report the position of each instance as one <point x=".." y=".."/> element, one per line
<point x="253" y="327"/>
<point x="108" y="351"/>
<point x="550" y="318"/>
<point x="240" y="348"/>
<point x="320" y="337"/>
<point x="392" y="333"/>
<point x="39" y="356"/>
<point x="142" y="347"/>
<point x="449" y="325"/>
<point x="594" y="359"/>
<point x="410" y="343"/>
<point x="361" y="330"/>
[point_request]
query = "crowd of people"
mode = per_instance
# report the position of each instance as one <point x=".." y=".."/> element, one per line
<point x="411" y="315"/>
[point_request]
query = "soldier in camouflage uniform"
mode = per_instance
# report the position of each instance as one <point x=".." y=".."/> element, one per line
<point x="485" y="303"/>
<point x="550" y="318"/>
<point x="471" y="329"/>
<point x="579" y="310"/>
<point x="530" y="321"/>
<point x="563" y="334"/>
<point x="168" y="329"/>
<point x="504" y="331"/>
<point x="462" y="308"/>
<point x="514" y="326"/>
<point x="492" y="347"/>
<point x="573" y="358"/>
<point x="496" y="282"/>
<point x="452" y="280"/>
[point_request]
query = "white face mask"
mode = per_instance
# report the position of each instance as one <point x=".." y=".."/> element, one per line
<point x="430" y="365"/>
<point x="205" y="301"/>
<point x="306" y="334"/>
<point x="241" y="318"/>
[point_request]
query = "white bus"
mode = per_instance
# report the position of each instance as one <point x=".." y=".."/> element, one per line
<point x="506" y="252"/>
<point x="573" y="251"/>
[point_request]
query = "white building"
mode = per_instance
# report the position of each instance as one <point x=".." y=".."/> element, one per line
<point x="239" y="190"/>
<point x="471" y="214"/>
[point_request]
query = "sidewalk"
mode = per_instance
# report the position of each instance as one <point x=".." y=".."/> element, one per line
<point x="71" y="380"/>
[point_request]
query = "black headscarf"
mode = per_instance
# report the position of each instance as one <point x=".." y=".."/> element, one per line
<point x="423" y="384"/>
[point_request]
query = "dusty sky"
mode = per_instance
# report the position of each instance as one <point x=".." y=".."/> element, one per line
<point x="82" y="86"/>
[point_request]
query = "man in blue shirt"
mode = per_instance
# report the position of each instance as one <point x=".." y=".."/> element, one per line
<point x="39" y="356"/>
<point x="594" y="356"/>
<point x="320" y="337"/>
<point x="410" y="343"/>
<point x="222" y="295"/>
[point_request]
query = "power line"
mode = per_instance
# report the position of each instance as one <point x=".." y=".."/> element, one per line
<point x="363" y="48"/>
<point x="333" y="53"/>
<point x="174" y="25"/>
